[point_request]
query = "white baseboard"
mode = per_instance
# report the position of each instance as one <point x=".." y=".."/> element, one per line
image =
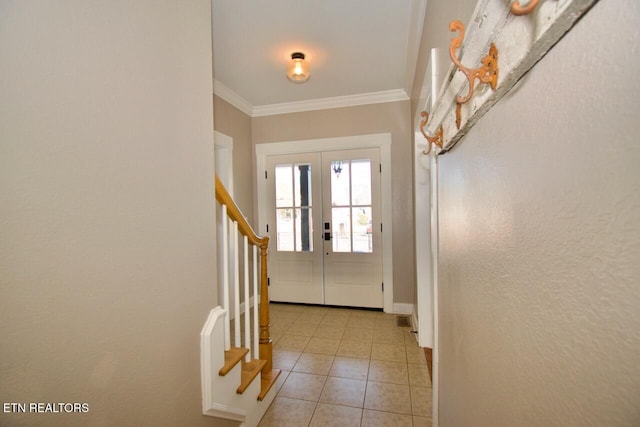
<point x="402" y="308"/>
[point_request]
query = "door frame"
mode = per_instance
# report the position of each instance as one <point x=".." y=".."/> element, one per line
<point x="379" y="140"/>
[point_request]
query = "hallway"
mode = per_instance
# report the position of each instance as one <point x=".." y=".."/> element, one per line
<point x="346" y="367"/>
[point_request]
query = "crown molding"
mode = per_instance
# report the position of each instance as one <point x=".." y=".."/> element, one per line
<point x="232" y="98"/>
<point x="334" y="102"/>
<point x="219" y="89"/>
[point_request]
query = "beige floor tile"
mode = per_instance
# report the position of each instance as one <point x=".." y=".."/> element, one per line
<point x="350" y="367"/>
<point x="322" y="346"/>
<point x="388" y="372"/>
<point x="285" y="359"/>
<point x="386" y="321"/>
<point x="361" y="322"/>
<point x="360" y="349"/>
<point x="325" y="331"/>
<point x="422" y="421"/>
<point x="419" y="376"/>
<point x="294" y="308"/>
<point x="410" y="339"/>
<point x="357" y="334"/>
<point x="388" y="397"/>
<point x="303" y="386"/>
<point x="319" y="364"/>
<point x="336" y="416"/>
<point x="344" y="391"/>
<point x="302" y="328"/>
<point x="388" y="336"/>
<point x="415" y="355"/>
<point x="314" y="317"/>
<point x="370" y="314"/>
<point x="281" y="379"/>
<point x="292" y="343"/>
<point x="331" y="319"/>
<point x="283" y="319"/>
<point x="421" y="401"/>
<point x="385" y="419"/>
<point x="288" y="412"/>
<point x="389" y="352"/>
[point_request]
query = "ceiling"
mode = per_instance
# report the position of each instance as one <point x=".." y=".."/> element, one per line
<point x="359" y="51"/>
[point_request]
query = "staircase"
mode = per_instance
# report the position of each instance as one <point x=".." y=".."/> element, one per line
<point x="237" y="369"/>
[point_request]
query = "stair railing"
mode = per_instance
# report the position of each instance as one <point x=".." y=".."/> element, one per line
<point x="260" y="347"/>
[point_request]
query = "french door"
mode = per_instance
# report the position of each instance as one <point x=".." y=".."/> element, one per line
<point x="325" y="229"/>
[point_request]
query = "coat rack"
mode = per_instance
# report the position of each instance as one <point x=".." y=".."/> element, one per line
<point x="525" y="45"/>
<point x="487" y="73"/>
<point x="516" y="9"/>
<point x="437" y="139"/>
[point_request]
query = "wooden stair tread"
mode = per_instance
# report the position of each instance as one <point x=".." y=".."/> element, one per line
<point x="267" y="381"/>
<point x="250" y="370"/>
<point x="231" y="359"/>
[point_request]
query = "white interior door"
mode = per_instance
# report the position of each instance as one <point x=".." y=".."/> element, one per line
<point x="324" y="224"/>
<point x="352" y="228"/>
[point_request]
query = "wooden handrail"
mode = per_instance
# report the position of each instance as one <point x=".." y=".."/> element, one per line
<point x="266" y="346"/>
<point x="224" y="198"/>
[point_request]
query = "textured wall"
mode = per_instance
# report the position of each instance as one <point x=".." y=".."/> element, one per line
<point x="540" y="242"/>
<point x="390" y="117"/>
<point x="107" y="224"/>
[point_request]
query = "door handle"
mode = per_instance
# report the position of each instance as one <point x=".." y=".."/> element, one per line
<point x="327" y="235"/>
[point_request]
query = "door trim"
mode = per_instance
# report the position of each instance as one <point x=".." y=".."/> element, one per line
<point x="379" y="140"/>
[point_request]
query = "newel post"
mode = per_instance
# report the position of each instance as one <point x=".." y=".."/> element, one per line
<point x="266" y="346"/>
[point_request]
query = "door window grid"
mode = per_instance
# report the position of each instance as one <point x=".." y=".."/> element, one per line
<point x="351" y="210"/>
<point x="294" y="218"/>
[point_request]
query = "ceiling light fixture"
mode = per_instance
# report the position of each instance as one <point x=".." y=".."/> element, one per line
<point x="298" y="68"/>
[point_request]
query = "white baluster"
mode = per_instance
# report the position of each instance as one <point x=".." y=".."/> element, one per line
<point x="247" y="302"/>
<point x="225" y="277"/>
<point x="236" y="287"/>
<point x="256" y="331"/>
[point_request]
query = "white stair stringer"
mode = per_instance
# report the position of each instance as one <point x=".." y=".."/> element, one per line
<point x="219" y="396"/>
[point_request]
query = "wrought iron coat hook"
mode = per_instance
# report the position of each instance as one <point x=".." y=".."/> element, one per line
<point x="487" y="73"/>
<point x="438" y="139"/>
<point x="516" y="9"/>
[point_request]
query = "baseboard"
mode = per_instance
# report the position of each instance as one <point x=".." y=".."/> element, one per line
<point x="414" y="322"/>
<point x="402" y="308"/>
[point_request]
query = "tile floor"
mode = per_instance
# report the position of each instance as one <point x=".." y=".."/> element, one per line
<point x="346" y="367"/>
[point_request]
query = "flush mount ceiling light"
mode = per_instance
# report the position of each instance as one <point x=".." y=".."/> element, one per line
<point x="298" y="68"/>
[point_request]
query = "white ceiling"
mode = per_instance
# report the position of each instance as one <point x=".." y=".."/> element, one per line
<point x="359" y="51"/>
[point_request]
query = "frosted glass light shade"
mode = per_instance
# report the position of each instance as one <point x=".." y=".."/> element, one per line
<point x="298" y="69"/>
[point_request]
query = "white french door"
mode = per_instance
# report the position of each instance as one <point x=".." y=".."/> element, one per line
<point x="324" y="223"/>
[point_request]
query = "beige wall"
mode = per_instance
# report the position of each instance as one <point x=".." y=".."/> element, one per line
<point x="539" y="242"/>
<point x="107" y="265"/>
<point x="236" y="124"/>
<point x="391" y="117"/>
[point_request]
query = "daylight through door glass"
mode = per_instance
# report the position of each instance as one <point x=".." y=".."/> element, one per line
<point x="294" y="231"/>
<point x="351" y="212"/>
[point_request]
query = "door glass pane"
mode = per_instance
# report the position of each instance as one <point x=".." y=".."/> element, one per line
<point x="294" y="231"/>
<point x="341" y="233"/>
<point x="360" y="182"/>
<point x="340" y="183"/>
<point x="284" y="186"/>
<point x="304" y="230"/>
<point x="302" y="184"/>
<point x="284" y="228"/>
<point x="362" y="231"/>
